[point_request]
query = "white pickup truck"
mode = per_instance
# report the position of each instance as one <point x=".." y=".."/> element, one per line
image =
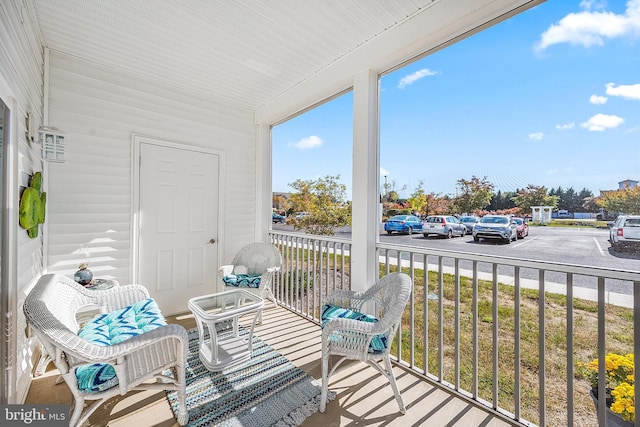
<point x="625" y="232"/>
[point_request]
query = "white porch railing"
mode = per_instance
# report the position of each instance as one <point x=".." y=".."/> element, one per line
<point x="313" y="266"/>
<point x="458" y="322"/>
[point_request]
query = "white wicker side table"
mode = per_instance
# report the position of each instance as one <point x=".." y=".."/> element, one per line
<point x="216" y="353"/>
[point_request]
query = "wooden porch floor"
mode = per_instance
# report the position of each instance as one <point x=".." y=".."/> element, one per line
<point x="364" y="398"/>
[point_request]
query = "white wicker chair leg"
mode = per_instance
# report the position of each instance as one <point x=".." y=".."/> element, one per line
<point x="394" y="385"/>
<point x="183" y="415"/>
<point x="325" y="380"/>
<point x="77" y="412"/>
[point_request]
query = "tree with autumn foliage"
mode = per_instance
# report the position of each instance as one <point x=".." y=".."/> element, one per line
<point x="437" y="204"/>
<point x="280" y="203"/>
<point x="625" y="200"/>
<point x="473" y="195"/>
<point x="324" y="199"/>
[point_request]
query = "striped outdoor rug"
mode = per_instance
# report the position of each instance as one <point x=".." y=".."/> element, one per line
<point x="266" y="390"/>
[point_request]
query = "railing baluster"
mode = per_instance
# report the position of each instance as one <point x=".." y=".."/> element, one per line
<point x="440" y="320"/>
<point x="310" y="291"/>
<point x="636" y="346"/>
<point x="425" y="310"/>
<point x="602" y="385"/>
<point x="412" y="317"/>
<point x="541" y="349"/>
<point x="317" y="266"/>
<point x="495" y="335"/>
<point x="456" y="320"/>
<point x="335" y="264"/>
<point x="570" y="360"/>
<point x="475" y="338"/>
<point x="516" y="344"/>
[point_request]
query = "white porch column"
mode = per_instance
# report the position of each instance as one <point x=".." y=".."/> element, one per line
<point x="263" y="182"/>
<point x="364" y="264"/>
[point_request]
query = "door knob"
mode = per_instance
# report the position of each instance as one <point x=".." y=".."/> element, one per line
<point x="211" y="241"/>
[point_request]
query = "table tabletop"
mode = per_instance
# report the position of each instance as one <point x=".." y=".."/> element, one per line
<point x="223" y="304"/>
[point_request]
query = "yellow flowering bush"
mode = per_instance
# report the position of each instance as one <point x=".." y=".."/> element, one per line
<point x="620" y="394"/>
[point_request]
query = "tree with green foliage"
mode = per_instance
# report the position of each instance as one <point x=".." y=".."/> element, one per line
<point x="534" y="195"/>
<point x="324" y="199"/>
<point x="569" y="199"/>
<point x="502" y="201"/>
<point x="626" y="200"/>
<point x="473" y="195"/>
<point x="418" y="199"/>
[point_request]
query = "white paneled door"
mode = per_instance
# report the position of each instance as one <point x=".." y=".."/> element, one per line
<point x="178" y="201"/>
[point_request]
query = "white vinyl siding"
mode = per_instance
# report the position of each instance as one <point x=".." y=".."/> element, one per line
<point x="21" y="66"/>
<point x="90" y="195"/>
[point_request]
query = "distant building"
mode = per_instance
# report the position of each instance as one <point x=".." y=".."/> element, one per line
<point x="627" y="183"/>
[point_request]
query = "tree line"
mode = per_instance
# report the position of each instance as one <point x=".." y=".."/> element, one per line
<point x="325" y="201"/>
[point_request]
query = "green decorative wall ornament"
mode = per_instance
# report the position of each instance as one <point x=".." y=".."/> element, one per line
<point x="32" y="206"/>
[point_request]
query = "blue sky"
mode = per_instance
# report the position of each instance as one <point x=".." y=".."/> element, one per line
<point x="550" y="97"/>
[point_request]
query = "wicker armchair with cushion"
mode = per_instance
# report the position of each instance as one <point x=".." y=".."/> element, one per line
<point x="122" y="348"/>
<point x="350" y="333"/>
<point x="253" y="268"/>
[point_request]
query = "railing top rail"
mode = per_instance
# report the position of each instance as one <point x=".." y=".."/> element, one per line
<point x="311" y="236"/>
<point x="609" y="273"/>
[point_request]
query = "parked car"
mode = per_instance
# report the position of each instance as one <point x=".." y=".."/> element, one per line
<point x="522" y="227"/>
<point x="625" y="232"/>
<point x="444" y="226"/>
<point x="403" y="224"/>
<point x="277" y="218"/>
<point x="301" y="215"/>
<point x="469" y="221"/>
<point x="495" y="227"/>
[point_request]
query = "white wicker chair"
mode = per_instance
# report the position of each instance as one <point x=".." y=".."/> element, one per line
<point x="51" y="308"/>
<point x="351" y="339"/>
<point x="255" y="258"/>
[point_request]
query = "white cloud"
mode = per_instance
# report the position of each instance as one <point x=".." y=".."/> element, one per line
<point x="601" y="122"/>
<point x="588" y="28"/>
<point x="383" y="171"/>
<point x="625" y="91"/>
<point x="307" y="143"/>
<point x="593" y="4"/>
<point x="596" y="99"/>
<point x="412" y="78"/>
<point x="536" y="136"/>
<point x="566" y="126"/>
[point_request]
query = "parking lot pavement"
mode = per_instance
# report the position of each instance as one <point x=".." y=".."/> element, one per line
<point x="580" y="246"/>
<point x="583" y="246"/>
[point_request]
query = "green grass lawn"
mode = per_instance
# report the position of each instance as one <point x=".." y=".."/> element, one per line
<point x="579" y="223"/>
<point x="619" y="327"/>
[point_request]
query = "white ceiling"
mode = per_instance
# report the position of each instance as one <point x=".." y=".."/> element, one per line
<point x="240" y="52"/>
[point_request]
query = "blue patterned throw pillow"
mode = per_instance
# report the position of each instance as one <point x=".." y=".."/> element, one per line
<point x="243" y="280"/>
<point x="329" y="311"/>
<point x="113" y="328"/>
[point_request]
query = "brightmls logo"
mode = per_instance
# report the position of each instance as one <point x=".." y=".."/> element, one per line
<point x="34" y="415"/>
